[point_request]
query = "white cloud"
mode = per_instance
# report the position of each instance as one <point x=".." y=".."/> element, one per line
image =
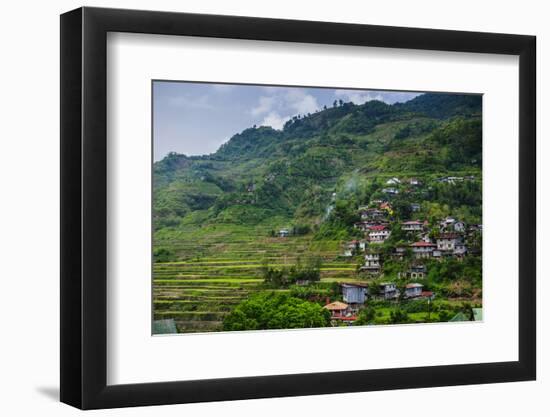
<point x="357" y="96"/>
<point x="281" y="104"/>
<point x="362" y="96"/>
<point x="275" y="120"/>
<point x="265" y="104"/>
<point x="301" y="102"/>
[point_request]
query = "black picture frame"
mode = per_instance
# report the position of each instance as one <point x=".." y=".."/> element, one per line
<point x="84" y="207"/>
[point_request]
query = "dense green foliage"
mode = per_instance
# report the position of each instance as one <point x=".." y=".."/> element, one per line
<point x="323" y="163"/>
<point x="220" y="260"/>
<point x="270" y="310"/>
<point x="282" y="277"/>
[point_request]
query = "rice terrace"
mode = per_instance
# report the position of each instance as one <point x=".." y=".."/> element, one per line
<point x="352" y="211"/>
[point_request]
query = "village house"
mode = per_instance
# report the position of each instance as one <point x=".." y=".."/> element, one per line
<point x="446" y="222"/>
<point x="413" y="290"/>
<point x="414" y="272"/>
<point x="418" y="271"/>
<point x="354" y="295"/>
<point x="451" y="180"/>
<point x="393" y="181"/>
<point x="379" y="234"/>
<point x="415" y="207"/>
<point x="423" y="249"/>
<point x="388" y="290"/>
<point x="451" y="224"/>
<point x="350" y="248"/>
<point x="427" y="295"/>
<point x="459" y="227"/>
<point x="338" y="309"/>
<point x="399" y="252"/>
<point x="414" y="181"/>
<point x="391" y="190"/>
<point x="412" y="226"/>
<point x="284" y="233"/>
<point x="426" y="238"/>
<point x="372" y="263"/>
<point x="451" y="244"/>
<point x="474" y="228"/>
<point x="372" y="214"/>
<point x="363" y="226"/>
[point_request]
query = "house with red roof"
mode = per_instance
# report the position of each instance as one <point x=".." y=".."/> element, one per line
<point x="378" y="234"/>
<point x="423" y="249"/>
<point x="338" y="309"/>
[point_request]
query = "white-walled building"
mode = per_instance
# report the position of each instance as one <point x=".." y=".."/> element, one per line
<point x="423" y="249"/>
<point x="412" y="226"/>
<point x="372" y="263"/>
<point x="413" y="290"/>
<point x="379" y="234"/>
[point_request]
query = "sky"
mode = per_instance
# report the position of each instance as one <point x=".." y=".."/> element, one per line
<point x="196" y="118"/>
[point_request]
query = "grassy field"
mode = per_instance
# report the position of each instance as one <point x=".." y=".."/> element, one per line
<point x="221" y="265"/>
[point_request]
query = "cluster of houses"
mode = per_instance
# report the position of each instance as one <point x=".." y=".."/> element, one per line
<point x="447" y="240"/>
<point x="355" y="296"/>
<point x="375" y="224"/>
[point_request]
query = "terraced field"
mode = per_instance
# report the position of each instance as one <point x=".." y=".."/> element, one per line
<point x="221" y="266"/>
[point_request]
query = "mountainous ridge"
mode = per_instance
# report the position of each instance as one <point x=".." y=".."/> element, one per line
<point x="294" y="172"/>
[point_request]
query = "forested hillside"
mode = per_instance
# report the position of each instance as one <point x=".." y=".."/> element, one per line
<point x="353" y="215"/>
<point x="348" y="149"/>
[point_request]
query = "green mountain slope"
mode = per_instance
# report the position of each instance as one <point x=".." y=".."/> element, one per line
<point x="298" y="173"/>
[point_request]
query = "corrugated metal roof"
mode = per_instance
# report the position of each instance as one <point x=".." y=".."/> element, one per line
<point x="478" y="314"/>
<point x="166" y="326"/>
<point x="460" y="317"/>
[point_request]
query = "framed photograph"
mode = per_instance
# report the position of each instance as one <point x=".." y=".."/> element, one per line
<point x="256" y="208"/>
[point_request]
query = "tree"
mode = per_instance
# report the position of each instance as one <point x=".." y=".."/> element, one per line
<point x="444" y="315"/>
<point x="399" y="316"/>
<point x="164" y="255"/>
<point x="340" y="102"/>
<point x="335" y="103"/>
<point x="366" y="316"/>
<point x="374" y="288"/>
<point x="271" y="310"/>
<point x="283" y="277"/>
